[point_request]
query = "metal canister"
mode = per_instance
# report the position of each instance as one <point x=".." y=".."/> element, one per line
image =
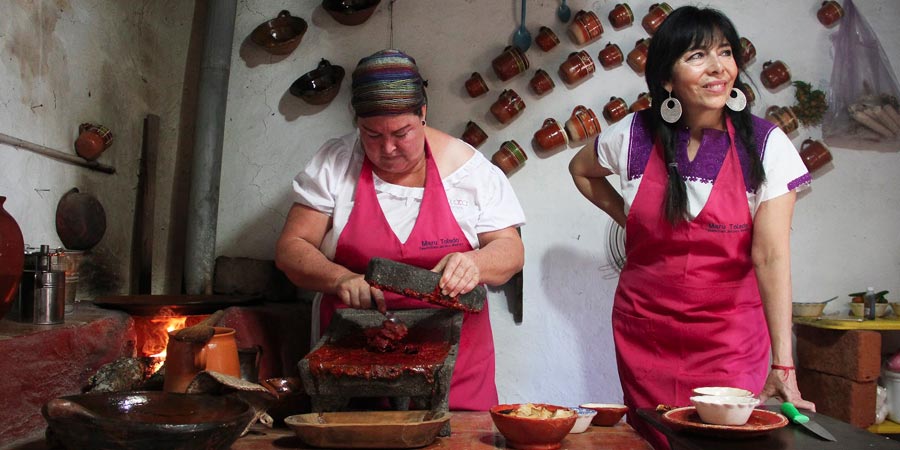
<point x="42" y="293"/>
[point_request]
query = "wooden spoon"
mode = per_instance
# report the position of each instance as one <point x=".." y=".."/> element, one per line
<point x="201" y="332"/>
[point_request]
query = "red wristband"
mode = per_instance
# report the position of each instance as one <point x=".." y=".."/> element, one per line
<point x="784" y="368"/>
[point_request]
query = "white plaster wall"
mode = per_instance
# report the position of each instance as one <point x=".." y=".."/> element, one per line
<point x="845" y="228"/>
<point x="101" y="61"/>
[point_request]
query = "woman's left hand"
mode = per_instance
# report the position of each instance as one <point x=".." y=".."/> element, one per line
<point x="459" y="272"/>
<point x="782" y="385"/>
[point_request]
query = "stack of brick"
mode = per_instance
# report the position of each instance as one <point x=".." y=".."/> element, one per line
<point x="838" y="371"/>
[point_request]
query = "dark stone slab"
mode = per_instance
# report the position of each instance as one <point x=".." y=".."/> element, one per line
<point x="419" y="283"/>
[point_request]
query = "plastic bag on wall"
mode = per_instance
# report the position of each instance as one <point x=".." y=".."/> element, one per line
<point x="864" y="92"/>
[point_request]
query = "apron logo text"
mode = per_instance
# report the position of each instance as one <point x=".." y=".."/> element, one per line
<point x="439" y="243"/>
<point x="727" y="227"/>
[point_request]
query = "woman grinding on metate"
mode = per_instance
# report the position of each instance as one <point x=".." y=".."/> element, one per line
<point x="708" y="192"/>
<point x="398" y="189"/>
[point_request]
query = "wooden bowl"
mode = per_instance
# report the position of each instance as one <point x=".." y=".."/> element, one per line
<point x="350" y="12"/>
<point x="281" y="35"/>
<point x="319" y="86"/>
<point x="532" y="433"/>
<point x="146" y="420"/>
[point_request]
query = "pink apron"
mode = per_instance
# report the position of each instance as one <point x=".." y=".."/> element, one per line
<point x="687" y="311"/>
<point x="435" y="234"/>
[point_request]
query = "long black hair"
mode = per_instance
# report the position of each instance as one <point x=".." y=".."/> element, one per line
<point x="688" y="28"/>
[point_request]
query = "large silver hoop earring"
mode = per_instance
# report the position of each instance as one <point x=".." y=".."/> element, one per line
<point x="737" y="101"/>
<point x="670" y="110"/>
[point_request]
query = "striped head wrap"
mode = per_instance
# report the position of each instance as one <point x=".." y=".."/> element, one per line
<point x="387" y="83"/>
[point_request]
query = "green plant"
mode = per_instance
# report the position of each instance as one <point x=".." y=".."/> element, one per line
<point x="811" y="104"/>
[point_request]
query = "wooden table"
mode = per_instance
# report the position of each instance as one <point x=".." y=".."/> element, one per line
<point x="470" y="430"/>
<point x="791" y="437"/>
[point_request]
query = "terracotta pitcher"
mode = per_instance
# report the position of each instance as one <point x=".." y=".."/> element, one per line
<point x="12" y="258"/>
<point x="185" y="359"/>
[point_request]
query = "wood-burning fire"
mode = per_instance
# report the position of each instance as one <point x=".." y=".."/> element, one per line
<point x="153" y="336"/>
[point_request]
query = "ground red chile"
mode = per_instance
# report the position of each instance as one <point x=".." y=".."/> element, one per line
<point x="435" y="297"/>
<point x="350" y="357"/>
<point x="385" y="338"/>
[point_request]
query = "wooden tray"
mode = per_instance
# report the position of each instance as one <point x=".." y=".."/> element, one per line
<point x="367" y="429"/>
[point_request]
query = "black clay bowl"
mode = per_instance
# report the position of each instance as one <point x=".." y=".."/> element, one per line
<point x="146" y="420"/>
<point x="350" y="12"/>
<point x="319" y="86"/>
<point x="280" y="35"/>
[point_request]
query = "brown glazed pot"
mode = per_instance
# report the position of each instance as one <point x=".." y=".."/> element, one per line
<point x="611" y="56"/>
<point x="576" y="67"/>
<point x="621" y="16"/>
<point x="784" y="117"/>
<point x="510" y="63"/>
<point x="546" y="39"/>
<point x="814" y="155"/>
<point x="830" y="12"/>
<point x="775" y="74"/>
<point x="541" y="82"/>
<point x="551" y="135"/>
<point x="510" y="157"/>
<point x="281" y="35"/>
<point x="507" y="106"/>
<point x="585" y="27"/>
<point x="582" y="124"/>
<point x="642" y="102"/>
<point x="476" y="86"/>
<point x="474" y="135"/>
<point x="748" y="50"/>
<point x="655" y="17"/>
<point x="615" y="109"/>
<point x="637" y="57"/>
<point x="12" y="258"/>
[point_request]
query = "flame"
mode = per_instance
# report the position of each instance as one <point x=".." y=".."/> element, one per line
<point x="153" y="336"/>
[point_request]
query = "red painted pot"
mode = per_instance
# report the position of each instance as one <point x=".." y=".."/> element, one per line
<point x="621" y="16"/>
<point x="577" y="66"/>
<point x="585" y="27"/>
<point x="830" y="12"/>
<point x="551" y="135"/>
<point x="510" y="157"/>
<point x="541" y="82"/>
<point x="507" y="106"/>
<point x="474" y="135"/>
<point x="784" y="117"/>
<point x="642" y="102"/>
<point x="655" y="17"/>
<point x="615" y="109"/>
<point x="775" y="74"/>
<point x="582" y="124"/>
<point x="637" y="57"/>
<point x="611" y="56"/>
<point x="748" y="51"/>
<point x="814" y="154"/>
<point x="510" y="63"/>
<point x="476" y="86"/>
<point x="546" y="39"/>
<point x="12" y="258"/>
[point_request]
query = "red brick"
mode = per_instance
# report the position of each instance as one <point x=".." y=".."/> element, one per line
<point x="851" y="354"/>
<point x="838" y="397"/>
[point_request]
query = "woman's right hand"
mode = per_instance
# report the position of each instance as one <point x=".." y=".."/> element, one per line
<point x="355" y="292"/>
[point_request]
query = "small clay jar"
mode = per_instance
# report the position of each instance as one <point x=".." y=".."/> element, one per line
<point x="748" y="50"/>
<point x="510" y="63"/>
<point x="814" y="155"/>
<point x="585" y="27"/>
<point x="611" y="56"/>
<point x="551" y="135"/>
<point x="637" y="57"/>
<point x="92" y="141"/>
<point x="546" y="39"/>
<point x="474" y="135"/>
<point x="621" y="16"/>
<point x="774" y="74"/>
<point x="784" y="117"/>
<point x="185" y="359"/>
<point x="615" y="109"/>
<point x="582" y="124"/>
<point x="476" y="86"/>
<point x="541" y="82"/>
<point x="577" y="66"/>
<point x="510" y="157"/>
<point x="830" y="12"/>
<point x="507" y="106"/>
<point x="655" y="17"/>
<point x="642" y="103"/>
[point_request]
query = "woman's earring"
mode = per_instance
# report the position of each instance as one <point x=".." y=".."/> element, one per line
<point x="737" y="101"/>
<point x="423" y="123"/>
<point x="670" y="110"/>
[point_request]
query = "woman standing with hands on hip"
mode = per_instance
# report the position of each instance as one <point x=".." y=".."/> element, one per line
<point x="397" y="188"/>
<point x="707" y="196"/>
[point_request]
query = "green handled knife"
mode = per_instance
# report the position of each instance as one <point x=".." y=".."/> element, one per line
<point x="795" y="416"/>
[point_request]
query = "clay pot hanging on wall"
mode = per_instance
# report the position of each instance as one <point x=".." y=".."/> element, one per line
<point x="12" y="258"/>
<point x="92" y="140"/>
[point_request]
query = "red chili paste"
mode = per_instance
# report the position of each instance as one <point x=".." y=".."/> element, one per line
<point x="435" y="297"/>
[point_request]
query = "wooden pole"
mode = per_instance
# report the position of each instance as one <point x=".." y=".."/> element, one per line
<point x="55" y="154"/>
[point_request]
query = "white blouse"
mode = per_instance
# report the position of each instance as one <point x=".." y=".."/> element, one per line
<point x="480" y="196"/>
<point x="625" y="146"/>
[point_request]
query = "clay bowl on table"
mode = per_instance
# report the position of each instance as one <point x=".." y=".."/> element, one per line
<point x="526" y="432"/>
<point x="722" y="391"/>
<point x="350" y="12"/>
<point x="146" y="420"/>
<point x="319" y="86"/>
<point x="281" y="35"/>
<point x="608" y="414"/>
<point x="723" y="410"/>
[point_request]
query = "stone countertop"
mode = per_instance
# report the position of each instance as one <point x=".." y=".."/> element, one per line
<point x="470" y="430"/>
